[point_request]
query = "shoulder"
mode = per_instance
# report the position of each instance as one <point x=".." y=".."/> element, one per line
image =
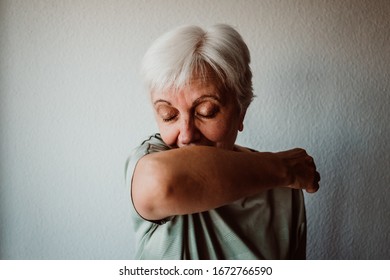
<point x="152" y="144"/>
<point x="239" y="148"/>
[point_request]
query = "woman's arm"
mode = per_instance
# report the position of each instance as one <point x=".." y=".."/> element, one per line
<point x="198" y="178"/>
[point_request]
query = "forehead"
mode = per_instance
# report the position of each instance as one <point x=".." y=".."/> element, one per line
<point x="196" y="87"/>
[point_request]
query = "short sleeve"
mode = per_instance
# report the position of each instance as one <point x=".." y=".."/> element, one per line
<point x="152" y="145"/>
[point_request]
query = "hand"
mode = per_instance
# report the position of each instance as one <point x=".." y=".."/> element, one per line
<point x="301" y="170"/>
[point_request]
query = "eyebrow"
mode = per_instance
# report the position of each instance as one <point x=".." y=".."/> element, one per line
<point x="161" y="101"/>
<point x="205" y="97"/>
<point x="196" y="102"/>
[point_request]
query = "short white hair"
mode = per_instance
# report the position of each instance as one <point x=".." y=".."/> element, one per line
<point x="175" y="57"/>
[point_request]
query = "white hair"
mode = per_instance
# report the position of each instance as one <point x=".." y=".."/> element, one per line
<point x="178" y="55"/>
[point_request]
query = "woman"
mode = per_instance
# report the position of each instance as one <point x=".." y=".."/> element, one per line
<point x="195" y="193"/>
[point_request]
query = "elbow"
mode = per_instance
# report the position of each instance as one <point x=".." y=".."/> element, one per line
<point x="151" y="189"/>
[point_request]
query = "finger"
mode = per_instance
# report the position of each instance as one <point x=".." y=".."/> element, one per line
<point x="315" y="186"/>
<point x="318" y="177"/>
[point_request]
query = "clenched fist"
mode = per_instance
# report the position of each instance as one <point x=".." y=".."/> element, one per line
<point x="301" y="169"/>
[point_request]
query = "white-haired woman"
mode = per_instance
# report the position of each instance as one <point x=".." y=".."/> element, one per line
<point x="195" y="194"/>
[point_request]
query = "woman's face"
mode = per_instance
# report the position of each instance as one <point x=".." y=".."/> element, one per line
<point x="198" y="114"/>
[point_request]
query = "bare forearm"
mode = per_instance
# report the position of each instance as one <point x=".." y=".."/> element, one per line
<point x="195" y="179"/>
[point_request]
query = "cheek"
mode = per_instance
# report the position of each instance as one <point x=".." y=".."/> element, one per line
<point x="220" y="132"/>
<point x="168" y="134"/>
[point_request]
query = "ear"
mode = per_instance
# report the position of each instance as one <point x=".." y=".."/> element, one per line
<point x="241" y="123"/>
<point x="241" y="126"/>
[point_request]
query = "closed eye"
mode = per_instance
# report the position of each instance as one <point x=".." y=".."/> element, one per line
<point x="207" y="110"/>
<point x="168" y="119"/>
<point x="167" y="113"/>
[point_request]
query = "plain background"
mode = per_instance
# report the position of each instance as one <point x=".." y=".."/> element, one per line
<point x="73" y="106"/>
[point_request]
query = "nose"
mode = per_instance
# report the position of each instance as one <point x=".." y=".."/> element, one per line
<point x="188" y="133"/>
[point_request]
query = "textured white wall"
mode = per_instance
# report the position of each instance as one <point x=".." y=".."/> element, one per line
<point x="72" y="106"/>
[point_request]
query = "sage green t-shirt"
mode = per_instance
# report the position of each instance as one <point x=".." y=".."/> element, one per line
<point x="270" y="225"/>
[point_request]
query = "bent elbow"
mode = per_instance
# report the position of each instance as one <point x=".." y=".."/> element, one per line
<point x="150" y="189"/>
